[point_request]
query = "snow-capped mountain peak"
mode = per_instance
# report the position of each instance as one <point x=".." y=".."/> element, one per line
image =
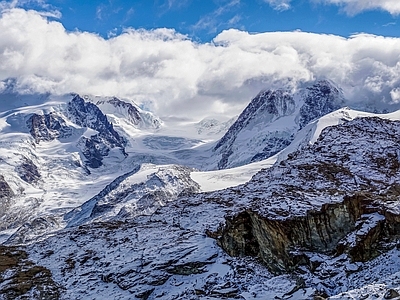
<point x="126" y="110"/>
<point x="268" y="124"/>
<point x="320" y="99"/>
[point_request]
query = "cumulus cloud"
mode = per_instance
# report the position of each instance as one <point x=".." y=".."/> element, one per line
<point x="176" y="76"/>
<point x="356" y="6"/>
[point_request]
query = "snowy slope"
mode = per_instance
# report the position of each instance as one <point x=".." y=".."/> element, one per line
<point x="173" y="254"/>
<point x="106" y="194"/>
<point x="63" y="181"/>
<point x="62" y="151"/>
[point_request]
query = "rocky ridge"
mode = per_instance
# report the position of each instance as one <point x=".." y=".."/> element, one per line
<point x="127" y="196"/>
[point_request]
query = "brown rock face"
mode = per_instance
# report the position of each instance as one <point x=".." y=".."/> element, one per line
<point x="276" y="241"/>
<point x="24" y="279"/>
<point x="335" y="229"/>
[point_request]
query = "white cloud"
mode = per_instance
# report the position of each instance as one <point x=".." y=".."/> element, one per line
<point x="280" y="5"/>
<point x="184" y="78"/>
<point x="356" y="6"/>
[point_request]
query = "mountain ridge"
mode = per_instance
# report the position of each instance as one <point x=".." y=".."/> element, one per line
<point x="127" y="227"/>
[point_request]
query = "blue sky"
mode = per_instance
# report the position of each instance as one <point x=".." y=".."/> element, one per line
<point x="202" y="20"/>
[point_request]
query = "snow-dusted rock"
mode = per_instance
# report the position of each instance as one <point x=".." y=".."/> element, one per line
<point x="114" y="107"/>
<point x="139" y="192"/>
<point x="302" y="214"/>
<point x="271" y="120"/>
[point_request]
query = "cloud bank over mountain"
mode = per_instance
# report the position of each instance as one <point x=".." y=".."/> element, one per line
<point x="174" y="75"/>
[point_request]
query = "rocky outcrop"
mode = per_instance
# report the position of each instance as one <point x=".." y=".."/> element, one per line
<point x="48" y="127"/>
<point x="6" y="194"/>
<point x="5" y="189"/>
<point x="333" y="230"/>
<point x="51" y="126"/>
<point x="28" y="171"/>
<point x="132" y="112"/>
<point x="266" y="107"/>
<point x="21" y="279"/>
<point x="127" y="196"/>
<point x="324" y="199"/>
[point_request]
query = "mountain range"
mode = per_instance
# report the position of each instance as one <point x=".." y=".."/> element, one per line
<point x="296" y="198"/>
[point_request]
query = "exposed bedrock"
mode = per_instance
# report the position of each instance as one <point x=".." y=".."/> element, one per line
<point x="354" y="226"/>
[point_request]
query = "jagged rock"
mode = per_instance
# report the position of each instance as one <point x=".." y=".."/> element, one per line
<point x="127" y="110"/>
<point x="6" y="195"/>
<point x="48" y="127"/>
<point x="127" y="197"/>
<point x="321" y="98"/>
<point x="266" y="107"/>
<point x="28" y="171"/>
<point x="391" y="294"/>
<point x="132" y="115"/>
<point x="95" y="147"/>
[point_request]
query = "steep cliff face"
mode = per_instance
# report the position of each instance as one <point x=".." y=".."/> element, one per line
<point x="73" y="122"/>
<point x="338" y="196"/>
<point x="271" y="120"/>
<point x="5" y="189"/>
<point x="95" y="147"/>
<point x="281" y="244"/>
<point x="263" y="110"/>
<point x="28" y="171"/>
